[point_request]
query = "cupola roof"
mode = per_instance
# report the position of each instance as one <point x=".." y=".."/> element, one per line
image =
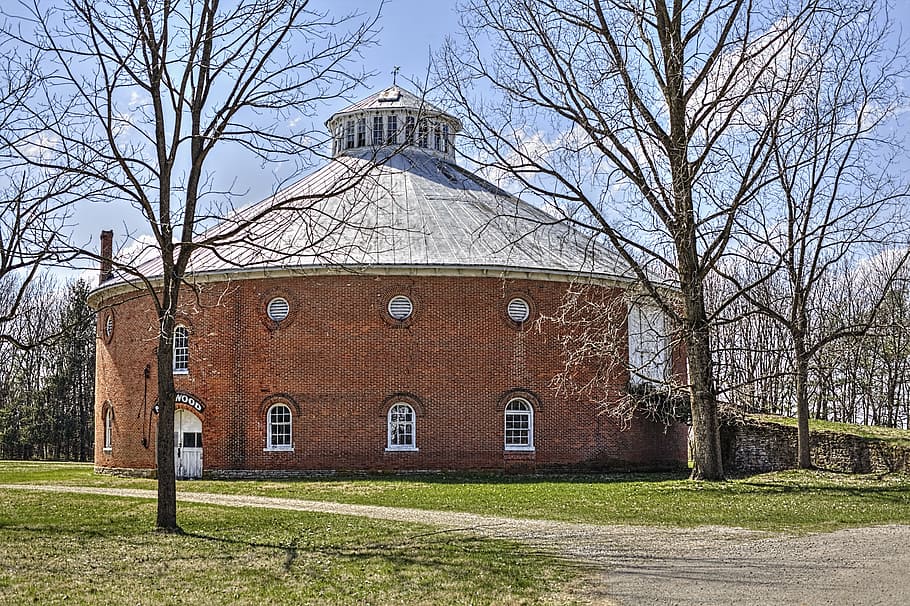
<point x="393" y="98"/>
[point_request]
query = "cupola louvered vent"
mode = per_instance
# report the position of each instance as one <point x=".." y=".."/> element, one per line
<point x="518" y="310"/>
<point x="400" y="307"/>
<point x="278" y="309"/>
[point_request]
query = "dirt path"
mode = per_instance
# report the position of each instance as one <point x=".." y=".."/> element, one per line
<point x="646" y="565"/>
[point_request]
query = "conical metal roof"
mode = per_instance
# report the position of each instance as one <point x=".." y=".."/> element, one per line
<point x="401" y="212"/>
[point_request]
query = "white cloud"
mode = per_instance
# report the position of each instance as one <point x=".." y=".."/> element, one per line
<point x="40" y="146"/>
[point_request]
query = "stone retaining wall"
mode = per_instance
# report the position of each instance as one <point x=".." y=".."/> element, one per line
<point x="755" y="446"/>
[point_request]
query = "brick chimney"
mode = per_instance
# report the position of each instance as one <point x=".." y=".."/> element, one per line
<point x="107" y="254"/>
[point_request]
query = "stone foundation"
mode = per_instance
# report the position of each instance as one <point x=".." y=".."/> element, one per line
<point x="127" y="472"/>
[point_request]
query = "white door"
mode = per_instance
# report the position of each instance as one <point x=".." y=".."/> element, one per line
<point x="187" y="445"/>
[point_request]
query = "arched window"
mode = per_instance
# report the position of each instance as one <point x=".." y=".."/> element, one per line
<point x="401" y="428"/>
<point x="108" y="428"/>
<point x="519" y="425"/>
<point x="181" y="350"/>
<point x="278" y="428"/>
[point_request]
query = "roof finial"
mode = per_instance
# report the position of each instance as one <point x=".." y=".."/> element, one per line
<point x="395" y="75"/>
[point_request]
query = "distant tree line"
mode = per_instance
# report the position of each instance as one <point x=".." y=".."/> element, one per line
<point x="862" y="375"/>
<point x="47" y="387"/>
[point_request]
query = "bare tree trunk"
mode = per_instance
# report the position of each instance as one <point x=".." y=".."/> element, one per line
<point x="167" y="484"/>
<point x="705" y="423"/>
<point x="802" y="401"/>
<point x="215" y="78"/>
<point x="703" y="394"/>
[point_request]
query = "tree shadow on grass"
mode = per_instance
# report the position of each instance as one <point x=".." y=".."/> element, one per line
<point x="449" y="552"/>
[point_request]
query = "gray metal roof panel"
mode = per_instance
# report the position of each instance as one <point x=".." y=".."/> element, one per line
<point x="410" y="208"/>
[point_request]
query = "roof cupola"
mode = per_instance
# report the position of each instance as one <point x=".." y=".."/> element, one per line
<point x="393" y="118"/>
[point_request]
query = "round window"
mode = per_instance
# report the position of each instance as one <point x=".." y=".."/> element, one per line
<point x="400" y="307"/>
<point x="518" y="310"/>
<point x="278" y="309"/>
<point x="109" y="326"/>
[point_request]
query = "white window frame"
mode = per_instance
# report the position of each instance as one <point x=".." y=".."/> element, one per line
<point x="410" y="130"/>
<point x="391" y="129"/>
<point x="181" y="345"/>
<point x="649" y="359"/>
<point x="423" y="133"/>
<point x="437" y="137"/>
<point x="393" y="423"/>
<point x="108" y="429"/>
<point x="361" y="132"/>
<point x="270" y="424"/>
<point x="378" y="130"/>
<point x="522" y="409"/>
<point x="349" y="134"/>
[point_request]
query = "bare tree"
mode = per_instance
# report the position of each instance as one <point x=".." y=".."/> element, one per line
<point x="834" y="194"/>
<point x="638" y="121"/>
<point x="144" y="97"/>
<point x="31" y="216"/>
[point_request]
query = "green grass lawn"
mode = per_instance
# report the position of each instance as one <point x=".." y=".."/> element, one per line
<point x="794" y="501"/>
<point x="891" y="435"/>
<point x="86" y="549"/>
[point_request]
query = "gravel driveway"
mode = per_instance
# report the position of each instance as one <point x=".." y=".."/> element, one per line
<point x="633" y="565"/>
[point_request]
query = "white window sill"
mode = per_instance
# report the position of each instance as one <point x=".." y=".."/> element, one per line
<point x="402" y="449"/>
<point x="278" y="449"/>
<point x="519" y="448"/>
<point x="182" y="371"/>
<point x="107" y="450"/>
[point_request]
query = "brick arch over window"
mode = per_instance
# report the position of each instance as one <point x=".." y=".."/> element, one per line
<point x="184" y="319"/>
<point x="403" y="398"/>
<point x="278" y="398"/>
<point x="532" y="398"/>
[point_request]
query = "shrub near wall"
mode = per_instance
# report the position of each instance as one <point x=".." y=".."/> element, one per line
<point x="753" y="446"/>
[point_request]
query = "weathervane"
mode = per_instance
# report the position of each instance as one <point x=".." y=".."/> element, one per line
<point x="395" y="75"/>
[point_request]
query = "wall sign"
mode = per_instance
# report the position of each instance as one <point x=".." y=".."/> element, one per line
<point x="185" y="398"/>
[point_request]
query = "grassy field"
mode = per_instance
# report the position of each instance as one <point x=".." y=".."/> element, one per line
<point x="796" y="501"/>
<point x="82" y="549"/>
<point x="895" y="437"/>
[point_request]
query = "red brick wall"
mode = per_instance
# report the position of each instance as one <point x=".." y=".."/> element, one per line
<point x="339" y="358"/>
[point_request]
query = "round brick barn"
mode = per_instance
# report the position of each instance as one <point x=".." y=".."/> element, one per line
<point x="391" y="326"/>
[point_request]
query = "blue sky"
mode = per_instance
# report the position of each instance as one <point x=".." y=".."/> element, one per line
<point x="411" y="30"/>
